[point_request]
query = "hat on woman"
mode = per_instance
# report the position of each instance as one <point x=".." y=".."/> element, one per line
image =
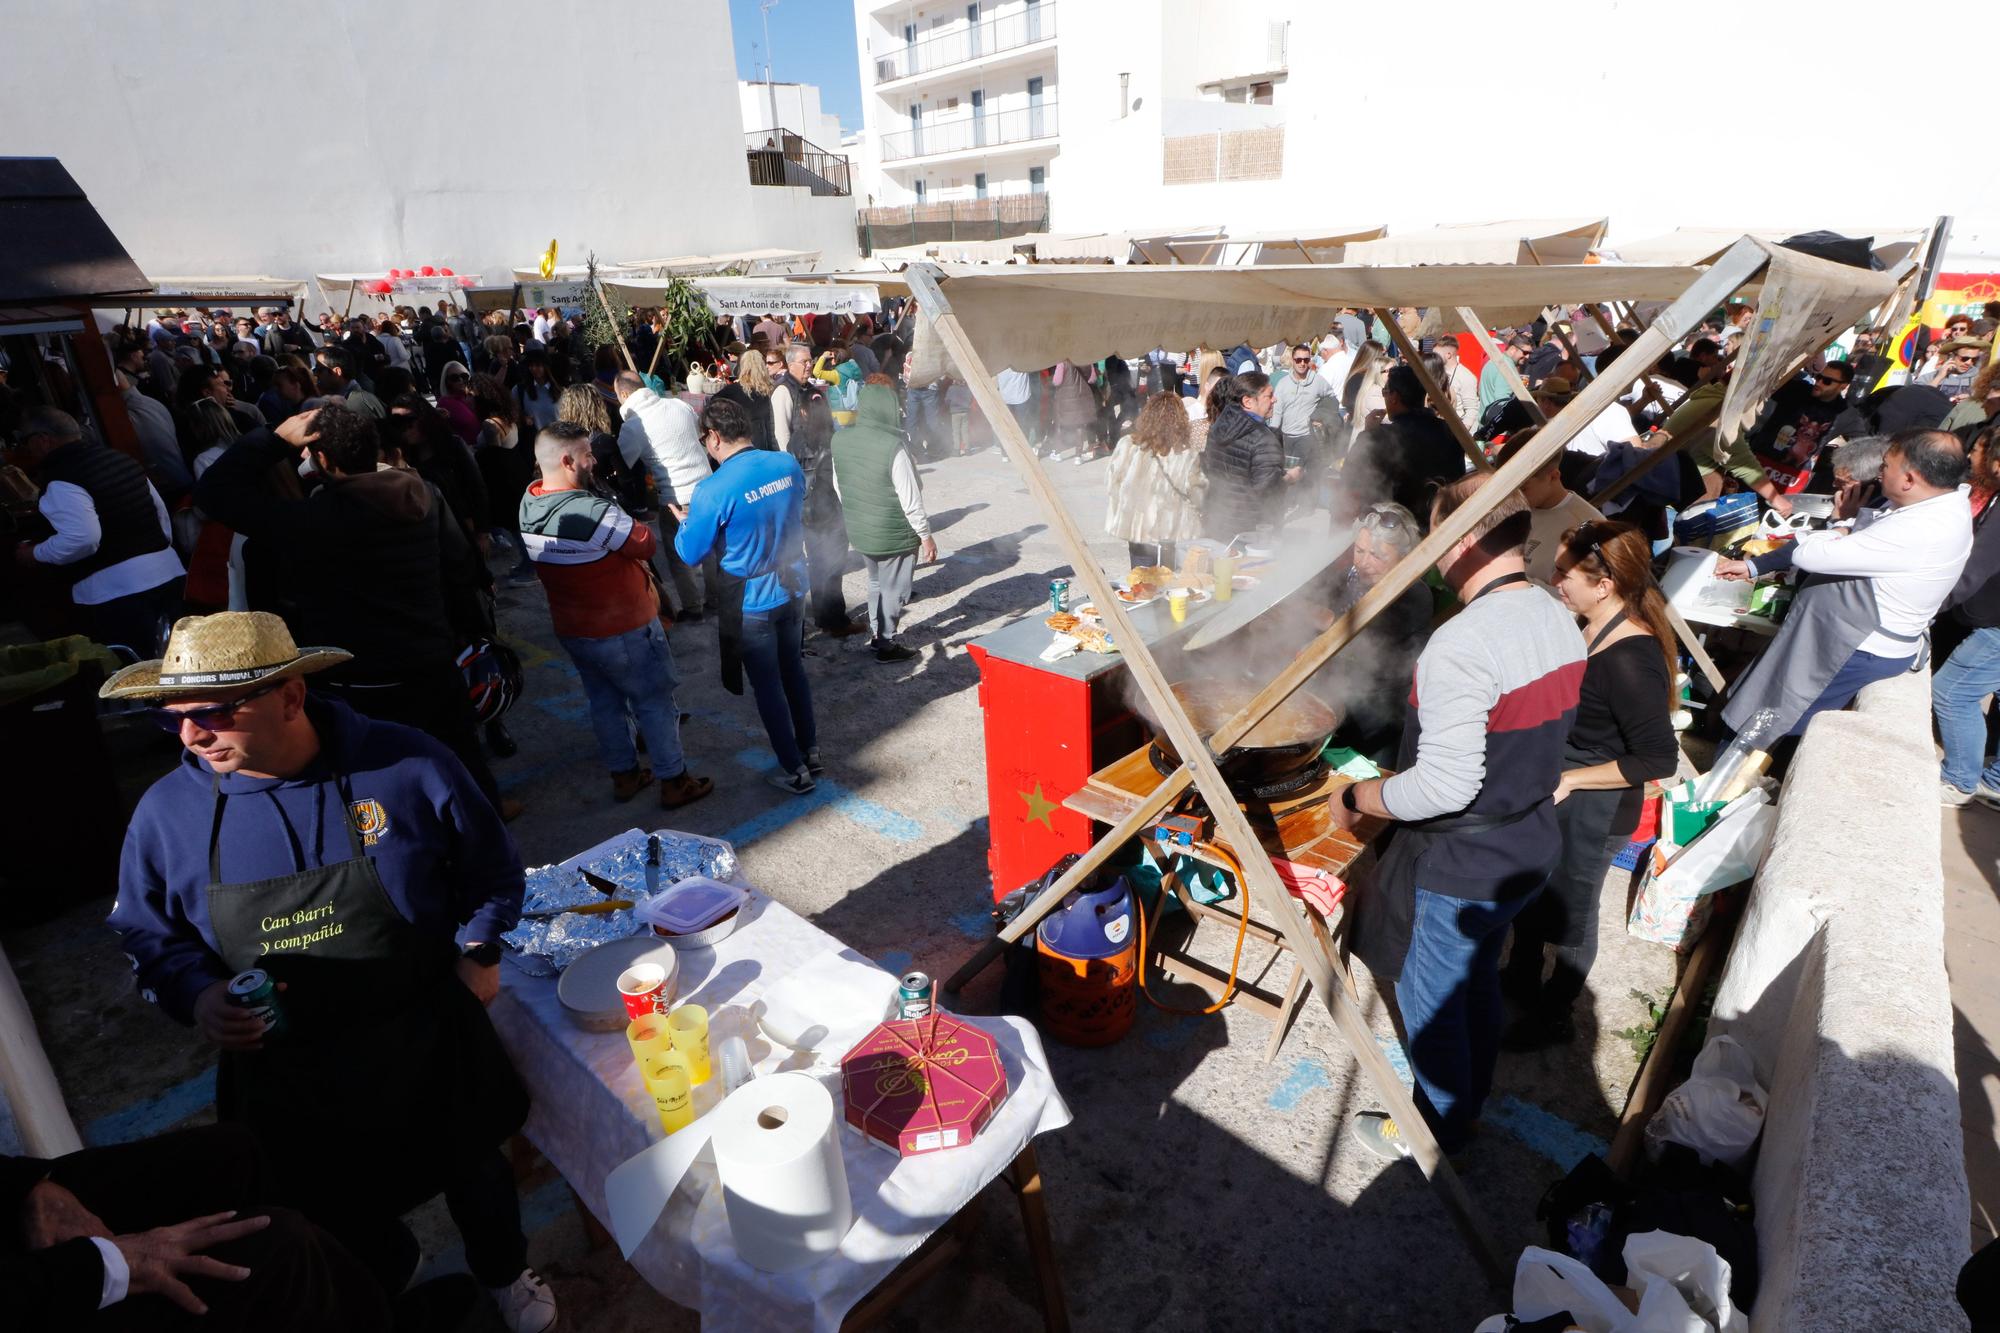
<point x="220" y="654"/>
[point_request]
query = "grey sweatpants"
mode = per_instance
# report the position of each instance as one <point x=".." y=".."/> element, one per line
<point x="889" y="579"/>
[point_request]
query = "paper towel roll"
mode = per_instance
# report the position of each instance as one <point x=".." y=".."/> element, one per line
<point x="777" y="1149"/>
<point x="775" y="1142"/>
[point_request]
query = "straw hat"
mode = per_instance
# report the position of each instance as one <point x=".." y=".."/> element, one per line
<point x="1557" y="387"/>
<point x="220" y="654"/>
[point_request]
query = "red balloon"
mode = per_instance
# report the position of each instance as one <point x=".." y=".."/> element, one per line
<point x="399" y="273"/>
<point x="428" y="271"/>
<point x="447" y="273"/>
<point x="465" y="282"/>
<point x="384" y="288"/>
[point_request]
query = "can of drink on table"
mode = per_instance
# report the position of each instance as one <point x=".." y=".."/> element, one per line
<point x="254" y="992"/>
<point x="1058" y="594"/>
<point x="913" y="996"/>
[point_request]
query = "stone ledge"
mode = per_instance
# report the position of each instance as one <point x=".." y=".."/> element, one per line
<point x="1836" y="985"/>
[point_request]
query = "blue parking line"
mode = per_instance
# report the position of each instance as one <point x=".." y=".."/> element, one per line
<point x="1398" y="1061"/>
<point x="154" y="1115"/>
<point x="856" y="809"/>
<point x="976" y="924"/>
<point x="1306" y="1076"/>
<point x="1544" y="1131"/>
<point x="896" y="961"/>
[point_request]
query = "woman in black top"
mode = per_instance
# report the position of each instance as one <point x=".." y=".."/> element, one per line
<point x="1622" y="738"/>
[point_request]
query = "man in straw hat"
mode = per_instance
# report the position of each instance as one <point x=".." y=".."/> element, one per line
<point x="339" y="855"/>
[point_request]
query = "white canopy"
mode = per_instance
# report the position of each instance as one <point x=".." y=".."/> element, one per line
<point x="1321" y="245"/>
<point x="1700" y="245"/>
<point x="1035" y="315"/>
<point x="229" y="290"/>
<point x="1514" y="241"/>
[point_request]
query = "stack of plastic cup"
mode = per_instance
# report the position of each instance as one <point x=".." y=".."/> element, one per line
<point x="665" y="1070"/>
<point x="688" y="1026"/>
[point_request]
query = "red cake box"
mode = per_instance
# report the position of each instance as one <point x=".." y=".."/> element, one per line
<point x="919" y="1085"/>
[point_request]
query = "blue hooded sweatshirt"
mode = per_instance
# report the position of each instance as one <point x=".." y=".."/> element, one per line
<point x="441" y="851"/>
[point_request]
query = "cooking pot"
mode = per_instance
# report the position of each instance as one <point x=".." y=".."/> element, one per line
<point x="1281" y="747"/>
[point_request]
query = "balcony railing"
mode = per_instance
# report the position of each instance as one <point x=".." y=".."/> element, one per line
<point x="780" y="157"/>
<point x="987" y="130"/>
<point x="1007" y="32"/>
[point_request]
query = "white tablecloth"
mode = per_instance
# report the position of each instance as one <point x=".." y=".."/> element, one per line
<point x="591" y="1112"/>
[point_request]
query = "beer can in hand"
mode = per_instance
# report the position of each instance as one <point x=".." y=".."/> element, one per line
<point x="255" y="992"/>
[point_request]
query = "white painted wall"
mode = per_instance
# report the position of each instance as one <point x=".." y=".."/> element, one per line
<point x="1464" y="111"/>
<point x="468" y="170"/>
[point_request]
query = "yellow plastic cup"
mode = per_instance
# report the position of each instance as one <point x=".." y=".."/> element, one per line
<point x="652" y="1045"/>
<point x="673" y="1096"/>
<point x="1177" y="603"/>
<point x="1225" y="577"/>
<point x="689" y="1026"/>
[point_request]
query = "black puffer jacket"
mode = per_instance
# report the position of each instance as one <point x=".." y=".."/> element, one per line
<point x="1245" y="463"/>
<point x="367" y="558"/>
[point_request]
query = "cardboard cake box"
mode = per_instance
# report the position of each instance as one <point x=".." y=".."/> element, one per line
<point x="921" y="1085"/>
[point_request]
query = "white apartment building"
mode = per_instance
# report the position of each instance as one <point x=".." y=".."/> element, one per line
<point x="1271" y="115"/>
<point x="959" y="97"/>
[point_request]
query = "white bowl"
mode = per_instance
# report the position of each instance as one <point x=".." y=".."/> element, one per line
<point x="589" y="986"/>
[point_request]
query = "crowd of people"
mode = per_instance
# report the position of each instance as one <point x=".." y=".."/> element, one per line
<point x="355" y="486"/>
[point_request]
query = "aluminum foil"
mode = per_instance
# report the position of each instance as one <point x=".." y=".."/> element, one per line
<point x="561" y="940"/>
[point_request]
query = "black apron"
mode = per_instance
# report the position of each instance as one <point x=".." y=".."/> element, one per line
<point x="388" y="1076"/>
<point x="1385" y="914"/>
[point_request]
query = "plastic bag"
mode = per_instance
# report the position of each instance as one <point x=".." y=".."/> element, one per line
<point x="1692" y="1270"/>
<point x="1718" y="1112"/>
<point x="1683" y="1288"/>
<point x="1547" y="1283"/>
<point x="1727" y="852"/>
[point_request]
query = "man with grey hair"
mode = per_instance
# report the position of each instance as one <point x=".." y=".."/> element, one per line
<point x="1857" y="475"/>
<point x="659" y="436"/>
<point x="111" y="541"/>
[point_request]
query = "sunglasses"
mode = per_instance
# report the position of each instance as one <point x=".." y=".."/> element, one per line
<point x="1386" y="520"/>
<point x="1585" y="539"/>
<point x="215" y="717"/>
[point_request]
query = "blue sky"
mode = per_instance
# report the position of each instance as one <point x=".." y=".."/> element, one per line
<point x="812" y="41"/>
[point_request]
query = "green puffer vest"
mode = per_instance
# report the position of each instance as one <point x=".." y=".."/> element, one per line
<point x="862" y="456"/>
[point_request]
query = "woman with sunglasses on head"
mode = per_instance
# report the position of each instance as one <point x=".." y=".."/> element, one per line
<point x="1622" y="738"/>
<point x="1371" y="677"/>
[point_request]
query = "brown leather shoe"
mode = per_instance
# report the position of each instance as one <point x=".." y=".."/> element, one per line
<point x="626" y="785"/>
<point x="684" y="789"/>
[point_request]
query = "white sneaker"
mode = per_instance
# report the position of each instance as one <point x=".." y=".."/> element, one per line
<point x="798" y="784"/>
<point x="528" y="1306"/>
<point x="1952" y="796"/>
<point x="1987" y="797"/>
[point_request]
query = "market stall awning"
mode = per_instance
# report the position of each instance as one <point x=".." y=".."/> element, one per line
<point x="218" y="294"/>
<point x="760" y="296"/>
<point x="1513" y="241"/>
<point x="753" y="262"/>
<point x="1036" y="315"/>
<point x="1700" y="245"/>
<point x="57" y="247"/>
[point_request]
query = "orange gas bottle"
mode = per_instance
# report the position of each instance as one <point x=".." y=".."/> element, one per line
<point x="1087" y="954"/>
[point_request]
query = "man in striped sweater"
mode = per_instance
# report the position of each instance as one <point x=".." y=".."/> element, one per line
<point x="595" y="565"/>
<point x="1476" y="838"/>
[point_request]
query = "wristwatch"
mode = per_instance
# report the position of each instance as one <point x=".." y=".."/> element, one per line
<point x="486" y="955"/>
<point x="1347" y="798"/>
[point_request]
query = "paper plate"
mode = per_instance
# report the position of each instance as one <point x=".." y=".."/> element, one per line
<point x="826" y="1005"/>
<point x="589" y="986"/>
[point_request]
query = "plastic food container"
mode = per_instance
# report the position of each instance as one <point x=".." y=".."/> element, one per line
<point x="696" y="913"/>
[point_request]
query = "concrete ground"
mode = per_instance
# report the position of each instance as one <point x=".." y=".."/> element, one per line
<point x="1971" y="848"/>
<point x="1199" y="1187"/>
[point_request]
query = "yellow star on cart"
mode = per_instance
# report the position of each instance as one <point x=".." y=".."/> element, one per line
<point x="1040" y="808"/>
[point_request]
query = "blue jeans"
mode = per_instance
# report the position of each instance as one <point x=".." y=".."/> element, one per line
<point x="630" y="677"/>
<point x="1970" y="674"/>
<point x="1857" y="673"/>
<point x="774" y="660"/>
<point x="1450" y="997"/>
